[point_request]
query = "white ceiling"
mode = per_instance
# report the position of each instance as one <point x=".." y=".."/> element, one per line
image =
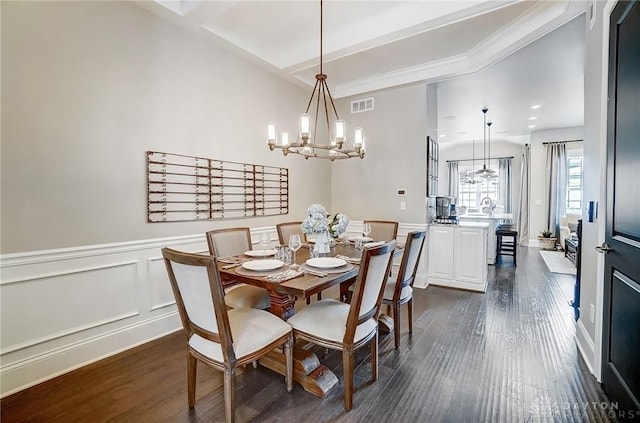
<point x="371" y="45"/>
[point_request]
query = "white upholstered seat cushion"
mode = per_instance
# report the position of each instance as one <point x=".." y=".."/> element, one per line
<point x="251" y="330"/>
<point x="327" y="319"/>
<point x="247" y="296"/>
<point x="406" y="292"/>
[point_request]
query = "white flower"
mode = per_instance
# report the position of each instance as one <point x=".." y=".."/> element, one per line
<point x="317" y="221"/>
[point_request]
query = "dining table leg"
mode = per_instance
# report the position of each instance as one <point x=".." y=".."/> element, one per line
<point x="281" y="305"/>
<point x="314" y="377"/>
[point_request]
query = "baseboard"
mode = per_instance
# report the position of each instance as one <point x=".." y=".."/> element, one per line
<point x="65" y="308"/>
<point x="40" y="368"/>
<point x="421" y="281"/>
<point x="586" y="346"/>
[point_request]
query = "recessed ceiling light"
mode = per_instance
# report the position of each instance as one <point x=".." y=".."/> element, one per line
<point x="533" y="117"/>
<point x="531" y="126"/>
<point x="442" y="135"/>
<point x="536" y="106"/>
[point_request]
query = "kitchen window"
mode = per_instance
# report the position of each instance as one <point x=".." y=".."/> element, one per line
<point x="472" y="189"/>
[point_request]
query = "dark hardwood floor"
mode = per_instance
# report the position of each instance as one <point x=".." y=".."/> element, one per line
<point x="505" y="356"/>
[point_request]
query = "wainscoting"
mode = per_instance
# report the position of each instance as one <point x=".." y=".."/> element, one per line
<point x="65" y="308"/>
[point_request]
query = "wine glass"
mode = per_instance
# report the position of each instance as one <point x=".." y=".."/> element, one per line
<point x="294" y="245"/>
<point x="366" y="229"/>
<point x="265" y="240"/>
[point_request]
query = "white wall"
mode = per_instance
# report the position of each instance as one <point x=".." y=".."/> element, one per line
<point x="396" y="149"/>
<point x="88" y="87"/>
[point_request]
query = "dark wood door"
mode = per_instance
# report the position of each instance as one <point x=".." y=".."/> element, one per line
<point x="621" y="326"/>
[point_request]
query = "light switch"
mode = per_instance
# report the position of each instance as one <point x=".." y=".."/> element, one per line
<point x="403" y="205"/>
<point x="538" y="202"/>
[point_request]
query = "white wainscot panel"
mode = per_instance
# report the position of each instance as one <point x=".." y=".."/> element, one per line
<point x="161" y="294"/>
<point x="45" y="307"/>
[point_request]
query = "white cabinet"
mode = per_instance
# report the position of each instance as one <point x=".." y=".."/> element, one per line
<point x="440" y="259"/>
<point x="457" y="256"/>
<point x="493" y="221"/>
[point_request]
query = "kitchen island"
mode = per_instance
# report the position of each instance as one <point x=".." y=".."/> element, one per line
<point x="493" y="220"/>
<point x="456" y="255"/>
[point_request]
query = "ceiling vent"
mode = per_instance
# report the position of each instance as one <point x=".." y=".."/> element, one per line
<point x="363" y="105"/>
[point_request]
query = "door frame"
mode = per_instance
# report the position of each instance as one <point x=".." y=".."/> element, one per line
<point x="602" y="210"/>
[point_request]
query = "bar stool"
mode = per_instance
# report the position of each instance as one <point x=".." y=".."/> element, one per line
<point x="507" y="248"/>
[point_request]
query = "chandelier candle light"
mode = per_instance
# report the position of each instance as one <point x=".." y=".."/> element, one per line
<point x="305" y="145"/>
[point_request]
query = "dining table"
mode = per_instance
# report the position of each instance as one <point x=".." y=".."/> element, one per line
<point x="301" y="283"/>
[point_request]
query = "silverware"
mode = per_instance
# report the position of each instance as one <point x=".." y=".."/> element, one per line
<point x="318" y="274"/>
<point x="231" y="266"/>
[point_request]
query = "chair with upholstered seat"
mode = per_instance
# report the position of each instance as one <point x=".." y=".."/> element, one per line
<point x="383" y="230"/>
<point x="347" y="327"/>
<point x="286" y="229"/>
<point x="233" y="242"/>
<point x="399" y="289"/>
<point x="223" y="339"/>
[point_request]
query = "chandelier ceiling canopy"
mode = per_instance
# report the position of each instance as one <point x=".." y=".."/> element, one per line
<point x="308" y="142"/>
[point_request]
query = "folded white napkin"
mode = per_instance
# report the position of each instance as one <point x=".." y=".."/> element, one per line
<point x="374" y="244"/>
<point x="284" y="276"/>
<point x="352" y="260"/>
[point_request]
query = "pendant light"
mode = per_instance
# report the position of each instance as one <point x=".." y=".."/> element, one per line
<point x="485" y="172"/>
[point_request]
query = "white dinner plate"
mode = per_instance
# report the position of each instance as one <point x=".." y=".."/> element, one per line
<point x="326" y="262"/>
<point x="259" y="253"/>
<point x="262" y="265"/>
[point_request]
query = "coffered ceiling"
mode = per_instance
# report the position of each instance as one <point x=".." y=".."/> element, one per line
<point x="375" y="45"/>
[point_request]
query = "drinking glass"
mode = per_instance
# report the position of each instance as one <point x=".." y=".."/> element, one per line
<point x="366" y="229"/>
<point x="265" y="240"/>
<point x="294" y="244"/>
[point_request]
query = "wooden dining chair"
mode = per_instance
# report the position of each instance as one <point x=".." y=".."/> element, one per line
<point x="284" y="231"/>
<point x="399" y="288"/>
<point x="233" y="242"/>
<point x="223" y="339"/>
<point x="383" y="230"/>
<point x="347" y="327"/>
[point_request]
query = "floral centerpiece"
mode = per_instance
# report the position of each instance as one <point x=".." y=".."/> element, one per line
<point x="318" y="222"/>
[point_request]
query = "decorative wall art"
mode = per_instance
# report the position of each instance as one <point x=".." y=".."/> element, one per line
<point x="185" y="188"/>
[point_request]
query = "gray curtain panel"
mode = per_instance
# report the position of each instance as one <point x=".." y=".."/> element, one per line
<point x="454" y="178"/>
<point x="556" y="185"/>
<point x="504" y="183"/>
<point x="523" y="211"/>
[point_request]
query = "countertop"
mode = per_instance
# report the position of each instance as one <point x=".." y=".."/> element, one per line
<point x="486" y="216"/>
<point x="481" y="225"/>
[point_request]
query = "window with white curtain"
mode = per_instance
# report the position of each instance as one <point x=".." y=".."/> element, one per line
<point x="574" y="181"/>
<point x="470" y="194"/>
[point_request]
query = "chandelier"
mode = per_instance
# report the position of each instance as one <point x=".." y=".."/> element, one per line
<point x="469" y="175"/>
<point x="308" y="146"/>
<point x="486" y="172"/>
